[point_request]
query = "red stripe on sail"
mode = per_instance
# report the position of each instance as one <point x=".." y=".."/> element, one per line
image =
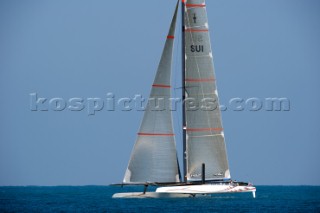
<point x="195" y="5"/>
<point x="199" y="80"/>
<point x="203" y="129"/>
<point x="170" y="37"/>
<point x="196" y="30"/>
<point x="155" y="134"/>
<point x="161" y="85"/>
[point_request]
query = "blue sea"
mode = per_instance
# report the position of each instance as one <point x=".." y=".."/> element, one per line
<point x="98" y="199"/>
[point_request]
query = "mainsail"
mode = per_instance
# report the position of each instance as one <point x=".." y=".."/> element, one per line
<point x="204" y="133"/>
<point x="154" y="157"/>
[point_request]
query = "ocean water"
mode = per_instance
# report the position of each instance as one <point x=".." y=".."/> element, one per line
<point x="98" y="199"/>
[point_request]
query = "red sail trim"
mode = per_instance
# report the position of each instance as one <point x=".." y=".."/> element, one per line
<point x="199" y="80"/>
<point x="195" y="5"/>
<point x="184" y="1"/>
<point x="155" y="134"/>
<point x="203" y="129"/>
<point x="161" y="85"/>
<point x="170" y="37"/>
<point x="196" y="30"/>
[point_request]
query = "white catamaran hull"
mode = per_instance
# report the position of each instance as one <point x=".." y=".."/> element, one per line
<point x="207" y="189"/>
<point x="150" y="195"/>
<point x="188" y="191"/>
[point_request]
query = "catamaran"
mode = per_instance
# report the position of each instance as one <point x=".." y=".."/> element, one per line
<point x="154" y="158"/>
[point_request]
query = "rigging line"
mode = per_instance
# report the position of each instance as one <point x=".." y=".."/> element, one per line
<point x="177" y="62"/>
<point x="176" y="113"/>
<point x="198" y="69"/>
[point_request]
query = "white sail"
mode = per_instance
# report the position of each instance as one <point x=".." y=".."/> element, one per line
<point x="204" y="133"/>
<point x="154" y="157"/>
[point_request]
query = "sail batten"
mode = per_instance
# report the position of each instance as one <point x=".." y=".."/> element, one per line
<point x="155" y="134"/>
<point x="154" y="157"/>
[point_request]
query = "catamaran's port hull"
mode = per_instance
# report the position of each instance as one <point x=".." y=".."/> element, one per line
<point x="149" y="195"/>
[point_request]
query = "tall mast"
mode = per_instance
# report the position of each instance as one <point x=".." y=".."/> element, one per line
<point x="184" y="132"/>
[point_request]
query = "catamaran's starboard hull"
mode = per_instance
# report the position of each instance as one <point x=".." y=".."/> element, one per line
<point x="206" y="189"/>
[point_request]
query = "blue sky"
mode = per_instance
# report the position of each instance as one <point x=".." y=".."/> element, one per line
<point x="66" y="49"/>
